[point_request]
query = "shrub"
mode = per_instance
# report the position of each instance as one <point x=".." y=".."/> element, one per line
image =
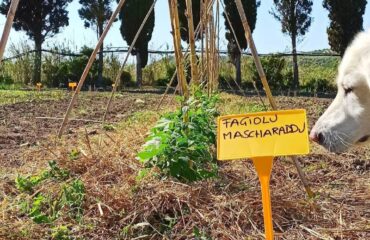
<point x="107" y="82"/>
<point x="225" y="82"/>
<point x="276" y="73"/>
<point x="180" y="145"/>
<point x="58" y="72"/>
<point x="316" y="85"/>
<point x="6" y="80"/>
<point x="170" y="69"/>
<point x="126" y="80"/>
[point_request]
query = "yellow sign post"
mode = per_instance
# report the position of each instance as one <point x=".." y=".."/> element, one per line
<point x="72" y="85"/>
<point x="38" y="86"/>
<point x="261" y="137"/>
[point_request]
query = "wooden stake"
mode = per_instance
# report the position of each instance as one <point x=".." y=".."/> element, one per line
<point x="177" y="45"/>
<point x="262" y="74"/>
<point x="88" y="66"/>
<point x="168" y="88"/>
<point x="118" y="77"/>
<point x="211" y="52"/>
<point x="207" y="56"/>
<point x="201" y="24"/>
<point x="8" y="27"/>
<point x="75" y="120"/>
<point x="198" y="30"/>
<point x="217" y="36"/>
<point x="240" y="50"/>
<point x="193" y="59"/>
<point x="252" y="46"/>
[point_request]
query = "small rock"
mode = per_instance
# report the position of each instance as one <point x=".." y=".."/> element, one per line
<point x="70" y="131"/>
<point x="27" y="144"/>
<point x="139" y="101"/>
<point x="93" y="132"/>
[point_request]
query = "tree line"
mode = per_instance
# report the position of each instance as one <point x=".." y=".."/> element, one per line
<point x="42" y="19"/>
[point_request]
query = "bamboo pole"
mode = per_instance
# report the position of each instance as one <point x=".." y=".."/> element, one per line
<point x="261" y="72"/>
<point x="217" y="36"/>
<point x="201" y="24"/>
<point x="177" y="45"/>
<point x="211" y="52"/>
<point x="240" y="50"/>
<point x="215" y="48"/>
<point x="231" y="26"/>
<point x="167" y="89"/>
<point x="74" y="120"/>
<point x="88" y="67"/>
<point x="8" y="27"/>
<point x="198" y="30"/>
<point x="118" y="77"/>
<point x="252" y="46"/>
<point x="207" y="56"/>
<point x="193" y="59"/>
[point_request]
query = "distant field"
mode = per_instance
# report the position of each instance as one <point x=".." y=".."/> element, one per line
<point x="311" y="69"/>
<point x="317" y="67"/>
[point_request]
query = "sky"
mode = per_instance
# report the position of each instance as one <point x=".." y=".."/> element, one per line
<point x="267" y="35"/>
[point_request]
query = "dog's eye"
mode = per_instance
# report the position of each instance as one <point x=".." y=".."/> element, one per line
<point x="348" y="90"/>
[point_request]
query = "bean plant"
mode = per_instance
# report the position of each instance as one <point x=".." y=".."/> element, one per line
<point x="181" y="143"/>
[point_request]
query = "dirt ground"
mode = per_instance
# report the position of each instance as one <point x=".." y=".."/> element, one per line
<point x="21" y="127"/>
<point x="227" y="208"/>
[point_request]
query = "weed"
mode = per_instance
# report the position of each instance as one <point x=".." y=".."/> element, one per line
<point x="142" y="174"/>
<point x="199" y="235"/>
<point x="46" y="208"/>
<point x="74" y="154"/>
<point x="38" y="211"/>
<point x="26" y="184"/>
<point x="108" y="127"/>
<point x="57" y="173"/>
<point x="43" y="208"/>
<point x="73" y="197"/>
<point x="60" y="233"/>
<point x="168" y="223"/>
<point x="126" y="230"/>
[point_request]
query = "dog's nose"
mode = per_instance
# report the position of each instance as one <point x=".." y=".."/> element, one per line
<point x="317" y="137"/>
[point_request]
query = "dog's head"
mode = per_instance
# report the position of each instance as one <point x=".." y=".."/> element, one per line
<point x="347" y="120"/>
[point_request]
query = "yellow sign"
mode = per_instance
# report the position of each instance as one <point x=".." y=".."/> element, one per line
<point x="261" y="137"/>
<point x="279" y="133"/>
<point x="72" y="85"/>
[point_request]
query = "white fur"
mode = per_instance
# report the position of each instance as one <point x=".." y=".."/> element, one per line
<point x="347" y="120"/>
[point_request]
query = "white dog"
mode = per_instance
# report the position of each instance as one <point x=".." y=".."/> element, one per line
<point x="347" y="120"/>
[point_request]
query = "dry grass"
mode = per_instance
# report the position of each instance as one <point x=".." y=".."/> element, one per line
<point x="118" y="205"/>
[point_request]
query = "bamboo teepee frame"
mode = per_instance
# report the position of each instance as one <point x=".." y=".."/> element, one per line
<point x="209" y="60"/>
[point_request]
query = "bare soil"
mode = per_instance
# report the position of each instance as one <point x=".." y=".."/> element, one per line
<point x="20" y="128"/>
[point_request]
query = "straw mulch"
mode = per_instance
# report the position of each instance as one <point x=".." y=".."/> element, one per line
<point x="119" y="205"/>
